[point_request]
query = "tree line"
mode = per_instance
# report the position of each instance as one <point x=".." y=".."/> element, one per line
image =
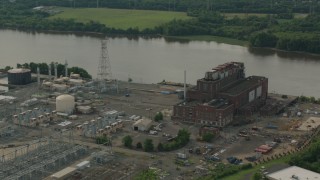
<point x="238" y="6"/>
<point x="44" y="69"/>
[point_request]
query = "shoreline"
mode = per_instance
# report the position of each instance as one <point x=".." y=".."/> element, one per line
<point x="181" y="39"/>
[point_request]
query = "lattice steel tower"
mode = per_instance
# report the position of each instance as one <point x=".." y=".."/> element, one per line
<point x="104" y="69"/>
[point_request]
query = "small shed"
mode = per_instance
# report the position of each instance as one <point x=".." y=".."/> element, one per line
<point x="142" y="124"/>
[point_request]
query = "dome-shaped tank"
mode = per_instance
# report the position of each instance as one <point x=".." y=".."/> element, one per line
<point x="19" y="76"/>
<point x="65" y="103"/>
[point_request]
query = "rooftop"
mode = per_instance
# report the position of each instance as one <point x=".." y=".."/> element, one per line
<point x="216" y="103"/>
<point x="20" y="70"/>
<point x="143" y="121"/>
<point x="294" y="173"/>
<point x="243" y="85"/>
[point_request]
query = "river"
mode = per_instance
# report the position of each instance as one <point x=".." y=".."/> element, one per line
<point x="157" y="59"/>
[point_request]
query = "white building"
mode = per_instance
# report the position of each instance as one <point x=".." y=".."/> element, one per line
<point x="294" y="173"/>
<point x="142" y="124"/>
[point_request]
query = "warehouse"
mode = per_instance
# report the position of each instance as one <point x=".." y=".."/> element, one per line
<point x="142" y="124"/>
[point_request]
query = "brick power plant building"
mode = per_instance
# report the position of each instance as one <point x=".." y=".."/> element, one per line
<point x="222" y="93"/>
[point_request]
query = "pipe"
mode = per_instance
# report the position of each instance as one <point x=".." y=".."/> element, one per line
<point x="38" y="75"/>
<point x="50" y="68"/>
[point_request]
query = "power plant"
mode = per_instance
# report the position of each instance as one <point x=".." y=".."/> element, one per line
<point x="71" y="127"/>
<point x="221" y="94"/>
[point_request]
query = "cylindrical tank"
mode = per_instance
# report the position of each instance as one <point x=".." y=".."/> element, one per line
<point x="19" y="76"/>
<point x="65" y="103"/>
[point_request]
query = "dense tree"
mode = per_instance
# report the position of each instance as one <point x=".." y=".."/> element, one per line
<point x="263" y="39"/>
<point x="208" y="137"/>
<point x="103" y="140"/>
<point x="158" y="116"/>
<point x="181" y="140"/>
<point x="139" y="145"/>
<point x="160" y="147"/>
<point x="148" y="145"/>
<point x="44" y="69"/>
<point x="257" y="176"/>
<point x="309" y="158"/>
<point x="127" y="141"/>
<point x="7" y="68"/>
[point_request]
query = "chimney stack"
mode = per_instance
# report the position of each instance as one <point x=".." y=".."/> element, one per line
<point x="55" y="70"/>
<point x="185" y="86"/>
<point x="38" y="76"/>
<point x="66" y="68"/>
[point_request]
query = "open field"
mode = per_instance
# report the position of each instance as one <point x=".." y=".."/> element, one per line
<point x="120" y="18"/>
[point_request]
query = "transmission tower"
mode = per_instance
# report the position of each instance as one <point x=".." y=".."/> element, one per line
<point x="104" y="69"/>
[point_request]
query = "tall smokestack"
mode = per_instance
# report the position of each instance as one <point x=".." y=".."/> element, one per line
<point x="55" y="70"/>
<point x="50" y="67"/>
<point x="185" y="86"/>
<point x="66" y="68"/>
<point x="38" y="76"/>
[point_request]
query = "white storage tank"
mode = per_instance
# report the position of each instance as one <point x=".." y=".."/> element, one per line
<point x="65" y="103"/>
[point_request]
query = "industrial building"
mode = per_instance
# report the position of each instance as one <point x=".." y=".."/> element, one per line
<point x="142" y="124"/>
<point x="223" y="92"/>
<point x="19" y="76"/>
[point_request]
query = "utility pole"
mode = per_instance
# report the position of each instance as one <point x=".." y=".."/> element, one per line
<point x="97" y="3"/>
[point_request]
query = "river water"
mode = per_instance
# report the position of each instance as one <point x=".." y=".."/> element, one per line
<point x="153" y="60"/>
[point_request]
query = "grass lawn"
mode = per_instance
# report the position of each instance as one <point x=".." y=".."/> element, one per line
<point x="121" y="18"/>
<point x="212" y="38"/>
<point x="244" y="174"/>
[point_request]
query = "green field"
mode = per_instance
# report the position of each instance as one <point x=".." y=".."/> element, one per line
<point x="120" y="18"/>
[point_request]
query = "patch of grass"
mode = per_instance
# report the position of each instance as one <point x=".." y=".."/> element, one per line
<point x="120" y="18"/>
<point x="211" y="38"/>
